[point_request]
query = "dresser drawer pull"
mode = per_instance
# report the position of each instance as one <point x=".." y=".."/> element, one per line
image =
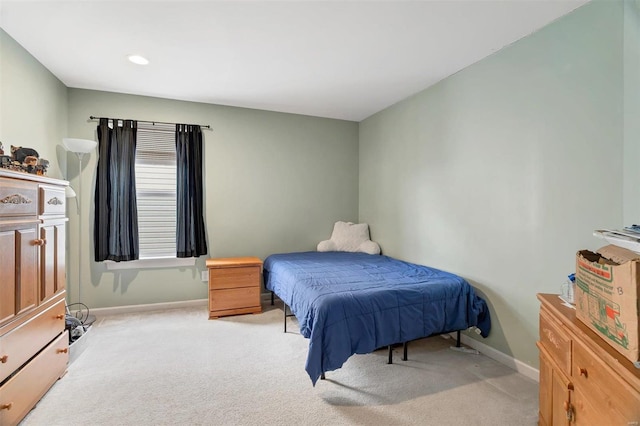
<point x="569" y="410"/>
<point x="39" y="242"/>
<point x="6" y="406"/>
<point x="63" y="351"/>
<point x="55" y="201"/>
<point x="4" y="359"/>
<point x="60" y="316"/>
<point x="15" y="199"/>
<point x="584" y="372"/>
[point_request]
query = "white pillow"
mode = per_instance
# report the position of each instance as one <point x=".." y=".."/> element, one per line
<point x="352" y="237"/>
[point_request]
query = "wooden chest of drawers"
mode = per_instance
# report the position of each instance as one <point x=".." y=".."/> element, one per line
<point x="234" y="286"/>
<point x="33" y="342"/>
<point x="583" y="380"/>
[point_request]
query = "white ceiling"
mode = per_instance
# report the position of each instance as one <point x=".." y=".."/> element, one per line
<point x="337" y="59"/>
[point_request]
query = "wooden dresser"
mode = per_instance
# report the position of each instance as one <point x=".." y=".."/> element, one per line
<point x="583" y="380"/>
<point x="234" y="286"/>
<point x="33" y="341"/>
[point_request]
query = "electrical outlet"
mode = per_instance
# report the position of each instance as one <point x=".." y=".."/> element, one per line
<point x="204" y="276"/>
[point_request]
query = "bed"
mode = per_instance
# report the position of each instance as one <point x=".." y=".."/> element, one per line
<point x="354" y="303"/>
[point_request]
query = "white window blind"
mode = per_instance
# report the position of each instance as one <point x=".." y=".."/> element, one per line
<point x="156" y="190"/>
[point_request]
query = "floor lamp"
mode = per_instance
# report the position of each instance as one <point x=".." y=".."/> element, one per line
<point x="80" y="147"/>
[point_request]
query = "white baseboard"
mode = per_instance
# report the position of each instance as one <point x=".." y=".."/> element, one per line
<point x="522" y="368"/>
<point x="116" y="310"/>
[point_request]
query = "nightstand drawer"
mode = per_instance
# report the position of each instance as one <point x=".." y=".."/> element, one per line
<point x="234" y="298"/>
<point x="245" y="276"/>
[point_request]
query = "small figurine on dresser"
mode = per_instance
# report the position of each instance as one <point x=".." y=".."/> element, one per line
<point x="5" y="160"/>
<point x="41" y="168"/>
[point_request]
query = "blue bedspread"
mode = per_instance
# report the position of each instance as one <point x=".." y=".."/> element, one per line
<point x="354" y="303"/>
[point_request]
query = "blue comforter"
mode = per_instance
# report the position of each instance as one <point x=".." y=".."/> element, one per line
<point x="354" y="303"/>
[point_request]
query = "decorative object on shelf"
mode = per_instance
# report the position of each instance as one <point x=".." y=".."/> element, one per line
<point x="41" y="168"/>
<point x="23" y="160"/>
<point x="20" y="154"/>
<point x="80" y="147"/>
<point x="30" y="161"/>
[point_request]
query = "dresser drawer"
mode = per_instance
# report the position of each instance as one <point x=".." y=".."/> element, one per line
<point x="234" y="298"/>
<point x="618" y="401"/>
<point x="245" y="276"/>
<point x="25" y="341"/>
<point x="52" y="200"/>
<point x="18" y="198"/>
<point x="556" y="341"/>
<point x="23" y="390"/>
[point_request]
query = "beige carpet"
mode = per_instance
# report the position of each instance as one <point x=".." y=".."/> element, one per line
<point x="175" y="367"/>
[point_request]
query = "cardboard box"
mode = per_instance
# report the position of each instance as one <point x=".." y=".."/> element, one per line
<point x="606" y="296"/>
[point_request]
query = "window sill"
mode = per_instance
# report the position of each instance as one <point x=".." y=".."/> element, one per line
<point x="151" y="263"/>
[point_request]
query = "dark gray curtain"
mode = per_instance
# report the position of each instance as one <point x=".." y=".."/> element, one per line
<point x="190" y="233"/>
<point x="115" y="232"/>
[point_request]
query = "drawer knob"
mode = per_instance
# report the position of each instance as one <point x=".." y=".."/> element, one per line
<point x="63" y="351"/>
<point x="60" y="316"/>
<point x="39" y="242"/>
<point x="4" y="359"/>
<point x="6" y="406"/>
<point x="583" y="372"/>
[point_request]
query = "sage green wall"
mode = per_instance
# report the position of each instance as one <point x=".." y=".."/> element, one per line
<point x="274" y="182"/>
<point x="33" y="105"/>
<point x="631" y="43"/>
<point x="501" y="172"/>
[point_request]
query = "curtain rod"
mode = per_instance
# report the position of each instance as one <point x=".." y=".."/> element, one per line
<point x="91" y="117"/>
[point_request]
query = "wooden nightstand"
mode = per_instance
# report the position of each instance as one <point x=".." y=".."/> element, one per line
<point x="234" y="286"/>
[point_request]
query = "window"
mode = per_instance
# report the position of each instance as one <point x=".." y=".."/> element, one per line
<point x="155" y="170"/>
<point x="156" y="190"/>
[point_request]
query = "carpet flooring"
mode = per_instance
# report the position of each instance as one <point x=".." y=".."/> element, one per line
<point x="176" y="367"/>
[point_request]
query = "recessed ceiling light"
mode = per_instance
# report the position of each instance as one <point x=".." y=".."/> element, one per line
<point x="137" y="59"/>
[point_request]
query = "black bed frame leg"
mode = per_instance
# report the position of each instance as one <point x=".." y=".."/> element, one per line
<point x="271" y="298"/>
<point x="458" y="339"/>
<point x="285" y="315"/>
<point x="284" y="309"/>
<point x="322" y="376"/>
<point x="404" y="350"/>
<point x="390" y="355"/>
